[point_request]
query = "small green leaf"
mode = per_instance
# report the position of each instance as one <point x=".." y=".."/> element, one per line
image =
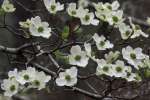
<point x="2" y="12"/>
<point x="147" y="73"/>
<point x="61" y="57"/>
<point x="65" y="32"/>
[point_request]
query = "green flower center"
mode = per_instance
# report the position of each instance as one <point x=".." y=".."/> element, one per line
<point x="102" y="43"/>
<point x="26" y="77"/>
<point x="127" y="33"/>
<point x="67" y="77"/>
<point x="36" y="82"/>
<point x="7" y="8"/>
<point x="118" y="69"/>
<point x="133" y="56"/>
<point x="105" y="69"/>
<point x="115" y="18"/>
<point x="78" y="58"/>
<point x="128" y="74"/>
<point x="137" y="27"/>
<point x="40" y="29"/>
<point x="109" y="7"/>
<point x="12" y="88"/>
<point x="73" y="12"/>
<point x="53" y="7"/>
<point x="87" y="17"/>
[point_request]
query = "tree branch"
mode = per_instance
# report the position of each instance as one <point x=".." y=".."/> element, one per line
<point x="18" y="49"/>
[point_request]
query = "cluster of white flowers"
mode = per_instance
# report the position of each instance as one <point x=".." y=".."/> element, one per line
<point x="37" y="27"/>
<point x="110" y="13"/>
<point x="134" y="57"/>
<point x="110" y="66"/>
<point x="118" y="70"/>
<point x="7" y="6"/>
<point x="83" y="14"/>
<point x="29" y="78"/>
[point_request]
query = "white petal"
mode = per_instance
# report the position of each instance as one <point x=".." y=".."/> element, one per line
<point x="72" y="82"/>
<point x="95" y="22"/>
<point x="72" y="71"/>
<point x="96" y="37"/>
<point x="75" y="50"/>
<point x="60" y="82"/>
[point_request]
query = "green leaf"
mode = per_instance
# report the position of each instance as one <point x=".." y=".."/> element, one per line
<point x="147" y="73"/>
<point x="65" y="32"/>
<point x="2" y="12"/>
<point x="61" y="57"/>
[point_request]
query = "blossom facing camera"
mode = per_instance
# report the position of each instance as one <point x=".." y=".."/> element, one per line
<point x="38" y="28"/>
<point x="78" y="57"/>
<point x="10" y="86"/>
<point x="133" y="56"/>
<point x="104" y="68"/>
<point x="119" y="69"/>
<point x="53" y="7"/>
<point x="67" y="78"/>
<point x="72" y="9"/>
<point x="40" y="80"/>
<point x="26" y="76"/>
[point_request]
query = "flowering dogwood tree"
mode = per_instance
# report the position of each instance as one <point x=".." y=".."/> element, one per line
<point x="73" y="55"/>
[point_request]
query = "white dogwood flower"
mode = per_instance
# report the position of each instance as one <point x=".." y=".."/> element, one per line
<point x="88" y="19"/>
<point x="53" y="7"/>
<point x="10" y="86"/>
<point x="67" y="78"/>
<point x="101" y="42"/>
<point x="104" y="68"/>
<point x="78" y="57"/>
<point x="26" y="76"/>
<point x="116" y="18"/>
<point x="112" y="56"/>
<point x="40" y="80"/>
<point x="119" y="69"/>
<point x="7" y="6"/>
<point x="25" y="24"/>
<point x="125" y="31"/>
<point x="39" y="28"/>
<point x="137" y="30"/>
<point x="133" y="56"/>
<point x="72" y="9"/>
